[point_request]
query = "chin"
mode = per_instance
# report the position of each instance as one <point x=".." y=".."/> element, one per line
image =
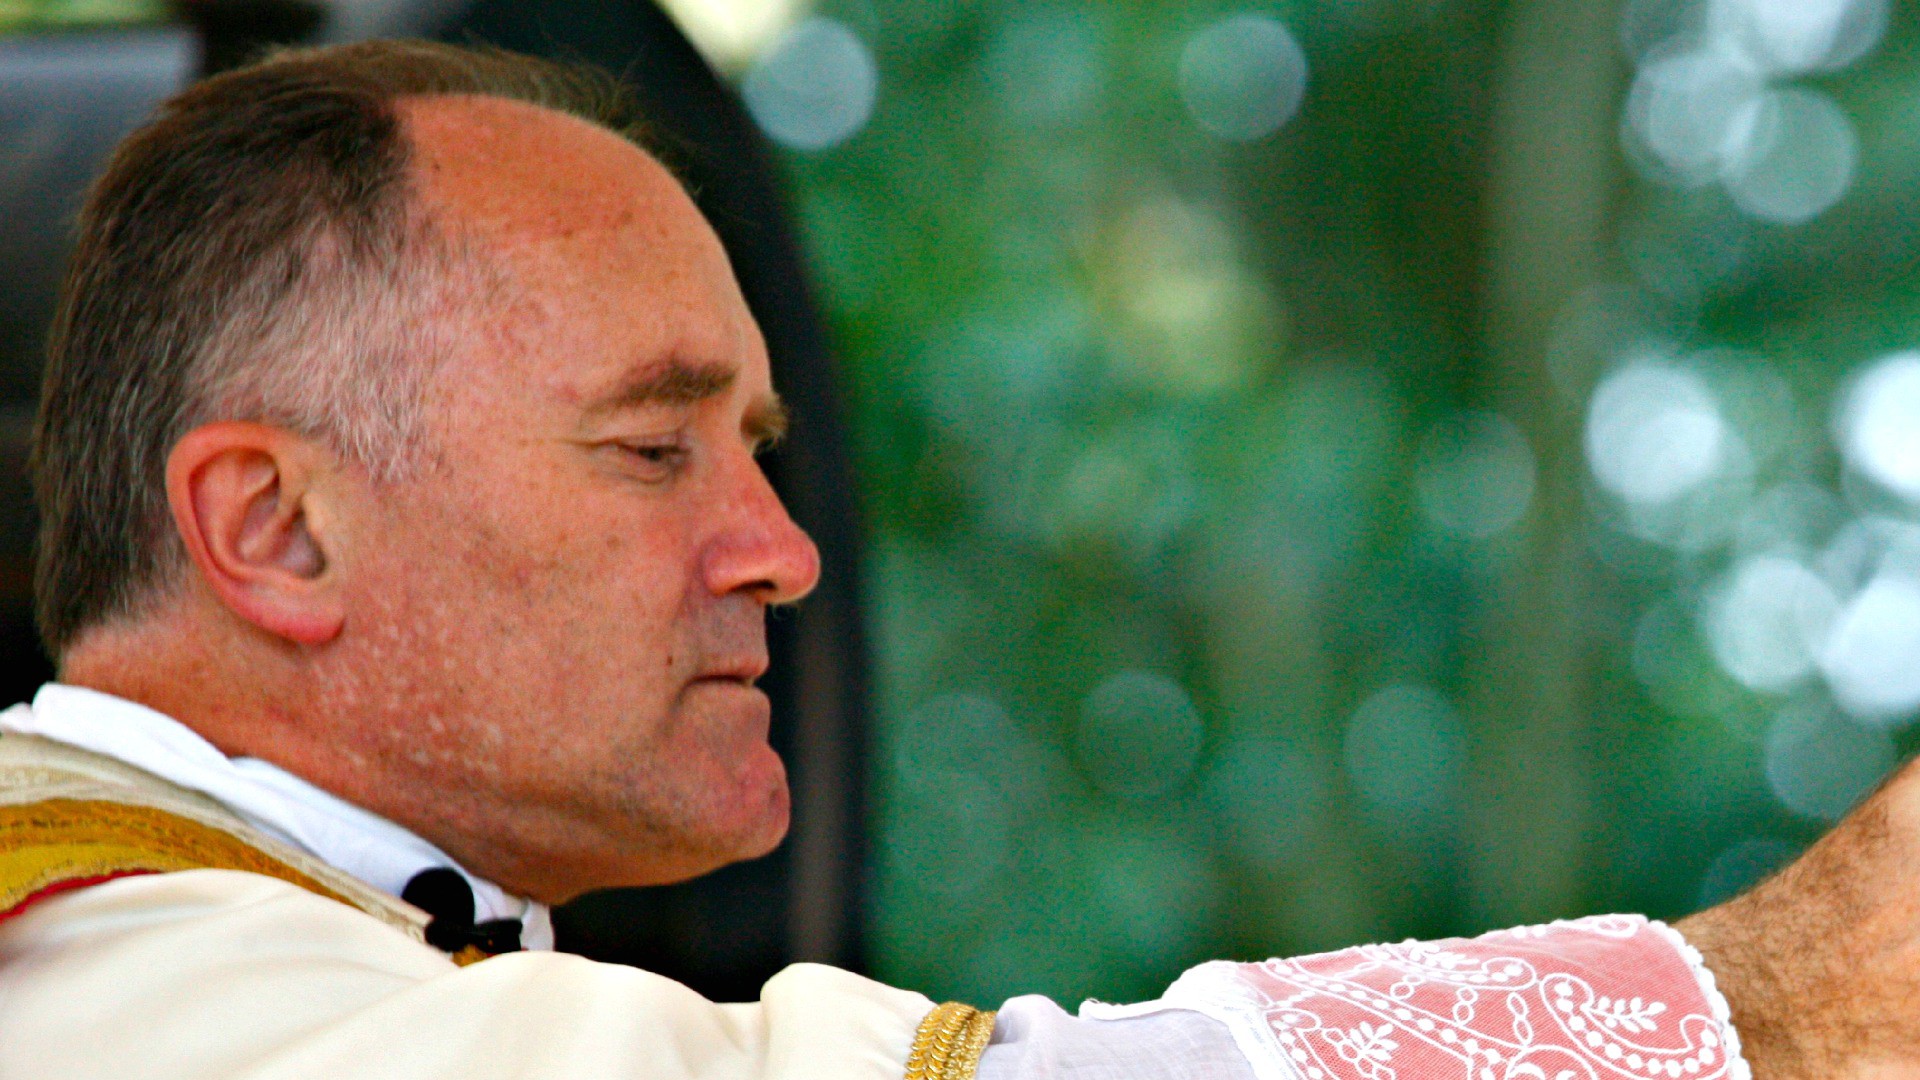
<point x="765" y="810"/>
<point x="775" y="820"/>
<point x="746" y="826"/>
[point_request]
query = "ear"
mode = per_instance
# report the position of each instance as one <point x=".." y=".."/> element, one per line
<point x="248" y="502"/>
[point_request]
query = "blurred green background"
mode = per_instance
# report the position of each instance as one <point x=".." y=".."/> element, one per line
<point x="1354" y="469"/>
<point x="1358" y="469"/>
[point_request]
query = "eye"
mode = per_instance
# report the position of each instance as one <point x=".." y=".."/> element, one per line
<point x="655" y="459"/>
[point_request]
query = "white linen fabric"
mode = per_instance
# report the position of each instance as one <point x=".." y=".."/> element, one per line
<point x="278" y="803"/>
<point x="218" y="974"/>
<point x="1034" y="1039"/>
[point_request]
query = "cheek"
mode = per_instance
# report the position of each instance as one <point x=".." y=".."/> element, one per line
<point x="537" y="604"/>
<point x="619" y="596"/>
<point x="590" y="623"/>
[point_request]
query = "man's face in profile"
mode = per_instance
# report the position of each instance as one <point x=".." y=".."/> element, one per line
<point x="566" y="604"/>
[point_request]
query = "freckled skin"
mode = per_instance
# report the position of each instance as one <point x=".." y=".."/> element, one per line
<point x="562" y="598"/>
<point x="546" y="658"/>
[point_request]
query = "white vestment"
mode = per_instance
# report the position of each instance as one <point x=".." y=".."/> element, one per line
<point x="216" y="973"/>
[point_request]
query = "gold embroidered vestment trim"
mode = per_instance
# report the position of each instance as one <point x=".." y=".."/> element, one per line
<point x="50" y="841"/>
<point x="949" y="1043"/>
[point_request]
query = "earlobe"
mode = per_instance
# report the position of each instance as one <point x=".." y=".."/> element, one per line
<point x="251" y="515"/>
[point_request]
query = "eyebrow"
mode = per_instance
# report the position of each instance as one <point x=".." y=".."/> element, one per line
<point x="766" y="423"/>
<point x="676" y="382"/>
<point x="679" y="382"/>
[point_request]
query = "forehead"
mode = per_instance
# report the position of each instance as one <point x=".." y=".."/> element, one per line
<point x="521" y="173"/>
<point x="607" y="260"/>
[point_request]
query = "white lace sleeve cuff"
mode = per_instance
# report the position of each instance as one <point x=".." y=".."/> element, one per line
<point x="1614" y="996"/>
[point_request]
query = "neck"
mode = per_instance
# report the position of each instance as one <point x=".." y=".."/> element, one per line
<point x="181" y="671"/>
<point x="279" y="704"/>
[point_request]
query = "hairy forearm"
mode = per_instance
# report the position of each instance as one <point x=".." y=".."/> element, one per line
<point x="1758" y="997"/>
<point x="1819" y="964"/>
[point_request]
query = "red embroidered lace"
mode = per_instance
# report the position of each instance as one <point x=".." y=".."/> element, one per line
<point x="1604" y="998"/>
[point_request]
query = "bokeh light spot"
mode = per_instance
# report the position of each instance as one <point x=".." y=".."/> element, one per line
<point x="1795" y="157"/>
<point x="730" y="32"/>
<point x="1820" y="763"/>
<point x="1880" y="424"/>
<point x="1654" y="433"/>
<point x="1138" y="735"/>
<point x="1797" y="36"/>
<point x="815" y="88"/>
<point x="1243" y="77"/>
<point x="1193" y="320"/>
<point x="1686" y="109"/>
<point x="1767" y="621"/>
<point x="1872" y="659"/>
<point x="1044" y="66"/>
<point x="1474" y="475"/>
<point x="1405" y="752"/>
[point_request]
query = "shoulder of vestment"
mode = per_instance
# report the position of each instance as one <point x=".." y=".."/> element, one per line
<point x="70" y="818"/>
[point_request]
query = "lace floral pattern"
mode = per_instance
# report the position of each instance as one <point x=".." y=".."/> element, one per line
<point x="1605" y="998"/>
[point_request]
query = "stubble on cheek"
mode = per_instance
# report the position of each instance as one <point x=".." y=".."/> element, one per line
<point x="414" y="672"/>
<point x="534" y="669"/>
<point x="416" y="690"/>
<point x="715" y="786"/>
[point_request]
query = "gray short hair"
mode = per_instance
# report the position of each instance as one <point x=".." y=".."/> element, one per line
<point x="254" y="253"/>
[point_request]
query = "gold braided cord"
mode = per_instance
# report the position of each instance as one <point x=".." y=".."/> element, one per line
<point x="979" y="1033"/>
<point x="51" y="841"/>
<point x="949" y="1043"/>
<point x="469" y="955"/>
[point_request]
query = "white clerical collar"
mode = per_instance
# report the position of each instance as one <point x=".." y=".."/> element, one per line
<point x="275" y="801"/>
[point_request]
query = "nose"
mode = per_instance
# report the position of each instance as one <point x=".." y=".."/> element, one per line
<point x="762" y="552"/>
